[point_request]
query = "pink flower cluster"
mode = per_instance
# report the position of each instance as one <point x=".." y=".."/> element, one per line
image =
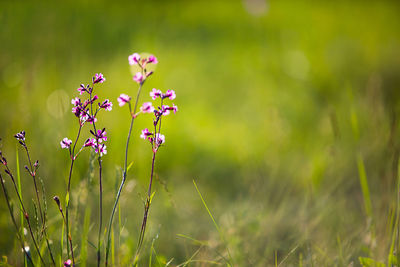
<point x="81" y="109"/>
<point x="97" y="142"/>
<point x="136" y="59"/>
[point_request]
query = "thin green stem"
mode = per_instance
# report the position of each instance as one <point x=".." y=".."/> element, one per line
<point x="13" y="220"/>
<point x="124" y="172"/>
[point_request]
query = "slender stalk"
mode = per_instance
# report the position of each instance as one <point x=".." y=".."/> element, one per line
<point x="13" y="220"/>
<point x="8" y="171"/>
<point x="146" y="211"/>
<point x="43" y="218"/>
<point x="124" y="172"/>
<point x="68" y="232"/>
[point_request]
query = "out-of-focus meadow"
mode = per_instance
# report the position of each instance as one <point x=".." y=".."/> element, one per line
<point x="284" y="108"/>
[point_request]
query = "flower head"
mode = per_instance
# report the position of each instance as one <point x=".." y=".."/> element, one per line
<point x="90" y="142"/>
<point x="101" y="135"/>
<point x="66" y="143"/>
<point x="20" y="136"/>
<point x="147" y="107"/>
<point x="134" y="59"/>
<point x="138" y="77"/>
<point x="170" y="94"/>
<point x="102" y="149"/>
<point x="107" y="105"/>
<point x="123" y="99"/>
<point x="68" y="263"/>
<point x="155" y="93"/>
<point x="160" y="139"/>
<point x="165" y="110"/>
<point x="81" y="89"/>
<point x="98" y="78"/>
<point x="76" y="101"/>
<point x="152" y="59"/>
<point x="145" y="134"/>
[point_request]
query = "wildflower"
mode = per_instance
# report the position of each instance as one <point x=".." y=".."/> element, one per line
<point x="160" y="139"/>
<point x="134" y="59"/>
<point x="76" y="102"/>
<point x="123" y="99"/>
<point x="20" y="136"/>
<point x="145" y="134"/>
<point x="66" y="143"/>
<point x="174" y="108"/>
<point x="101" y="135"/>
<point x="138" y="77"/>
<point x="91" y="119"/>
<point x="155" y="93"/>
<point x="165" y="110"/>
<point x="147" y="107"/>
<point x="170" y="94"/>
<point x="152" y="59"/>
<point x="68" y="263"/>
<point x="81" y="89"/>
<point x="98" y="78"/>
<point x="90" y="142"/>
<point x="107" y="105"/>
<point x="101" y="148"/>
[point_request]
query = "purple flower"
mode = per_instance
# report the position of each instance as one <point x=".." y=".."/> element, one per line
<point x="81" y="89"/>
<point x="68" y="263"/>
<point x="145" y="134"/>
<point x="98" y="78"/>
<point x="138" y="77"/>
<point x="134" y="59"/>
<point x="66" y="143"/>
<point x="152" y="59"/>
<point x="165" y="110"/>
<point x="123" y="99"/>
<point x="170" y="94"/>
<point x="160" y="139"/>
<point x="90" y="142"/>
<point x="91" y="119"/>
<point x="101" y="135"/>
<point x="102" y="149"/>
<point x="174" y="108"/>
<point x="155" y="93"/>
<point x="20" y="136"/>
<point x="76" y="102"/>
<point x="147" y="107"/>
<point x="107" y="105"/>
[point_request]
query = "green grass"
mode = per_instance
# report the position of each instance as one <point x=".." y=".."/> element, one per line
<point x="288" y="119"/>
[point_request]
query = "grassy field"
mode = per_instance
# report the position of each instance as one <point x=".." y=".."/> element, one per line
<point x="288" y="123"/>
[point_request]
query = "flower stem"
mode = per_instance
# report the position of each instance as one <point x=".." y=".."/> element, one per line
<point x="124" y="172"/>
<point x="13" y="220"/>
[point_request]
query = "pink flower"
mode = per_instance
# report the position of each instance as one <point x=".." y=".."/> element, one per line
<point x="102" y="149"/>
<point x="174" y="108"/>
<point x="81" y="89"/>
<point x="67" y="263"/>
<point x="152" y="59"/>
<point x="66" y="143"/>
<point x="107" y="105"/>
<point x="123" y="99"/>
<point x="98" y="78"/>
<point x="147" y="107"/>
<point x="76" y="102"/>
<point x="138" y="77"/>
<point x="145" y="134"/>
<point x="155" y="93"/>
<point x="91" y="119"/>
<point x="101" y="135"/>
<point x="165" y="110"/>
<point x="134" y="59"/>
<point x="170" y="94"/>
<point x="90" y="142"/>
<point x="160" y="139"/>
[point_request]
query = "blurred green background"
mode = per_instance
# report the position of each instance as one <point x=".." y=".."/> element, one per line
<point x="277" y="101"/>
